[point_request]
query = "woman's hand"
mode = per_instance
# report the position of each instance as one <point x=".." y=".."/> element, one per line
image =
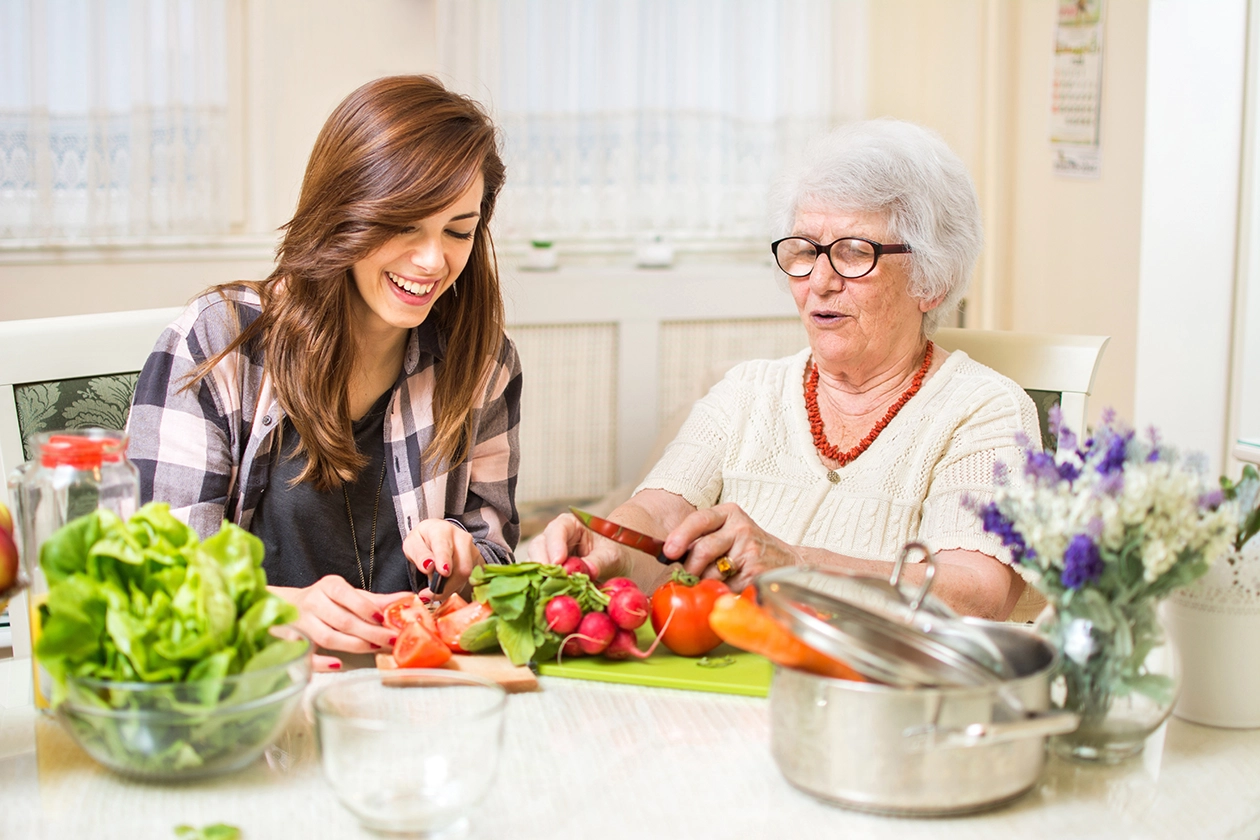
<point x="337" y="616"/>
<point x="444" y="547"/>
<point x="727" y="531"/>
<point x="566" y="537"/>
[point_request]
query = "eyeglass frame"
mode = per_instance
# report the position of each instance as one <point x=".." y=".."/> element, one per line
<point x="879" y="248"/>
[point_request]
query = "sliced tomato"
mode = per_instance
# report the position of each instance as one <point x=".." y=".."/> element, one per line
<point x="417" y="647"/>
<point x="452" y="625"/>
<point x="450" y="605"/>
<point x="393" y="617"/>
<point x="406" y="611"/>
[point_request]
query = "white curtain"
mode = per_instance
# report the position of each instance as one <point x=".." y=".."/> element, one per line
<point x="113" y="118"/>
<point x="668" y="116"/>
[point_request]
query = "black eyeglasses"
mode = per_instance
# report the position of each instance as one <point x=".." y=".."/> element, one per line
<point x="850" y="256"/>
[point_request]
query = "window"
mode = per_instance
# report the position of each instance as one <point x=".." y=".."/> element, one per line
<point x="624" y="117"/>
<point x="113" y="118"/>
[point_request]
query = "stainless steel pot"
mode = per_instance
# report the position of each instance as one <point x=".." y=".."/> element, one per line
<point x="920" y="751"/>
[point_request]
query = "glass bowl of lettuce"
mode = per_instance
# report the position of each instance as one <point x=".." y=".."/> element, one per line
<point x="166" y="656"/>
<point x="189" y="729"/>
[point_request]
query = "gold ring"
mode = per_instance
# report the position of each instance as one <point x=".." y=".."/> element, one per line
<point x="724" y="567"/>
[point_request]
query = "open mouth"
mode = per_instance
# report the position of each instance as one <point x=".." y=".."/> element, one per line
<point x="411" y="287"/>
<point x="824" y="317"/>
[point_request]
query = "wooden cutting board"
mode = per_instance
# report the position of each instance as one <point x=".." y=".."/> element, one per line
<point x="492" y="666"/>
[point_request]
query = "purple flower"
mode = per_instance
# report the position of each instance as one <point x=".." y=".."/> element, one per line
<point x="1001" y="472"/>
<point x="1153" y="433"/>
<point x="997" y="523"/>
<point x="1081" y="562"/>
<point x="1068" y="471"/>
<point x="1041" y="466"/>
<point x="1112" y="484"/>
<point x="1212" y="499"/>
<point x="1113" y="459"/>
<point x="1058" y="429"/>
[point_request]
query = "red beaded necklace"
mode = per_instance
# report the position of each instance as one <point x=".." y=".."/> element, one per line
<point x="829" y="450"/>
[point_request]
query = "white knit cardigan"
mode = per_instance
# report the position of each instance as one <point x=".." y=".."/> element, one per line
<point x="748" y="442"/>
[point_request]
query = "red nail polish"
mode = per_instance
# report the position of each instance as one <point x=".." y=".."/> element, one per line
<point x="375" y="647"/>
<point x="392" y="639"/>
<point x="377" y="617"/>
<point x="425" y="598"/>
<point x="446" y="568"/>
<point x="334" y="665"/>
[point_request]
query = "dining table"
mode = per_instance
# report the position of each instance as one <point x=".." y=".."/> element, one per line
<point x="598" y="761"/>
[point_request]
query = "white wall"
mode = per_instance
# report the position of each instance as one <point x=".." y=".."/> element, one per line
<point x="1197" y="61"/>
<point x="296" y="60"/>
<point x="1245" y="372"/>
<point x="1062" y="255"/>
<point x="1075" y="243"/>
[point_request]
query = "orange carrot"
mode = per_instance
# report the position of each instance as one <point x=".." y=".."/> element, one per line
<point x="744" y="624"/>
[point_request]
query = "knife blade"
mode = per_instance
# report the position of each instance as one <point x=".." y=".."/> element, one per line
<point x="642" y="542"/>
<point x="622" y="534"/>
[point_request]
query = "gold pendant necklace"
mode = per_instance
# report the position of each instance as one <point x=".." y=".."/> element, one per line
<point x="365" y="582"/>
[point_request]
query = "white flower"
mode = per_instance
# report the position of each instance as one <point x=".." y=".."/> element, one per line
<point x="1147" y="505"/>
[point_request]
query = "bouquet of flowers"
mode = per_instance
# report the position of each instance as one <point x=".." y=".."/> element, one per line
<point x="1104" y="528"/>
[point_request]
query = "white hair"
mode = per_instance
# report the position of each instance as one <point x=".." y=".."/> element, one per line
<point x="907" y="174"/>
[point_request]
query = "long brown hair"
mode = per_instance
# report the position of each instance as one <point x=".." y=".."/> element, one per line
<point x="396" y="150"/>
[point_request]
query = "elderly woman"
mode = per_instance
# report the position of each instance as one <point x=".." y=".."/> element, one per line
<point x="869" y="438"/>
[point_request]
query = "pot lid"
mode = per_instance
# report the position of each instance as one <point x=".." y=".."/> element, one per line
<point x="881" y="628"/>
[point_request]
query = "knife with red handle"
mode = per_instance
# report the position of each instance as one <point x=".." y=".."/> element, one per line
<point x="634" y="539"/>
<point x="622" y="534"/>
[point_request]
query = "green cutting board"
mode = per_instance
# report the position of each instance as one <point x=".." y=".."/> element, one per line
<point x="747" y="673"/>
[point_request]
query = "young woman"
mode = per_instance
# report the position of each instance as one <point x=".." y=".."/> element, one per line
<point x="358" y="409"/>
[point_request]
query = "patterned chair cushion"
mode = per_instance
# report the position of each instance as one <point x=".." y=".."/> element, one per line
<point x="101" y="401"/>
<point x="1045" y="400"/>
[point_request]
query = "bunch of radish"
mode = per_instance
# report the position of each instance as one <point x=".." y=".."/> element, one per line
<point x="609" y="631"/>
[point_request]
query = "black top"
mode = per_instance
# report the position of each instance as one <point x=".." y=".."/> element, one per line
<point x="306" y="532"/>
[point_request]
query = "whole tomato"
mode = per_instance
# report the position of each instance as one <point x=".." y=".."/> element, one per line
<point x="690" y="600"/>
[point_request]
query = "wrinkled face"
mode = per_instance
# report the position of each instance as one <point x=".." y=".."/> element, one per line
<point x="399" y="282"/>
<point x="855" y="324"/>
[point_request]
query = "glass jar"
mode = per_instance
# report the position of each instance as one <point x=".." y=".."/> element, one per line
<point x="1117" y="671"/>
<point x="72" y="473"/>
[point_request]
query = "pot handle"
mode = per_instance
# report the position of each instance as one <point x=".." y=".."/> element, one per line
<point x="1035" y="725"/>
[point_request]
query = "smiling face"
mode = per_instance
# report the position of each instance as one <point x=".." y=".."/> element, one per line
<point x="398" y="283"/>
<point x="860" y="326"/>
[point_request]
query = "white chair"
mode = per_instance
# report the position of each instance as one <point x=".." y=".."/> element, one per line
<point x="1054" y="370"/>
<point x="67" y="372"/>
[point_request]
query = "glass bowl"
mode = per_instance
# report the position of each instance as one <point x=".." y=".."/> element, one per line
<point x="187" y="730"/>
<point x="410" y="751"/>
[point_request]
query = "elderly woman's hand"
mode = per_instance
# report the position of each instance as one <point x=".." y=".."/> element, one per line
<point x="565" y="537"/>
<point x="727" y="531"/>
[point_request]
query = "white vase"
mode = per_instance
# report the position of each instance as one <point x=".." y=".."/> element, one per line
<point x="1215" y="625"/>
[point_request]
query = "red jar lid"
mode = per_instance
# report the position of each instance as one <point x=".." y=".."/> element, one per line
<point x="81" y="453"/>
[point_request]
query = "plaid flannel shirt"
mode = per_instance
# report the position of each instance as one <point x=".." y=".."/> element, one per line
<point x="207" y="450"/>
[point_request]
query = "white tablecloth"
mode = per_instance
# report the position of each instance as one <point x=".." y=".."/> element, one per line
<point x="595" y="760"/>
